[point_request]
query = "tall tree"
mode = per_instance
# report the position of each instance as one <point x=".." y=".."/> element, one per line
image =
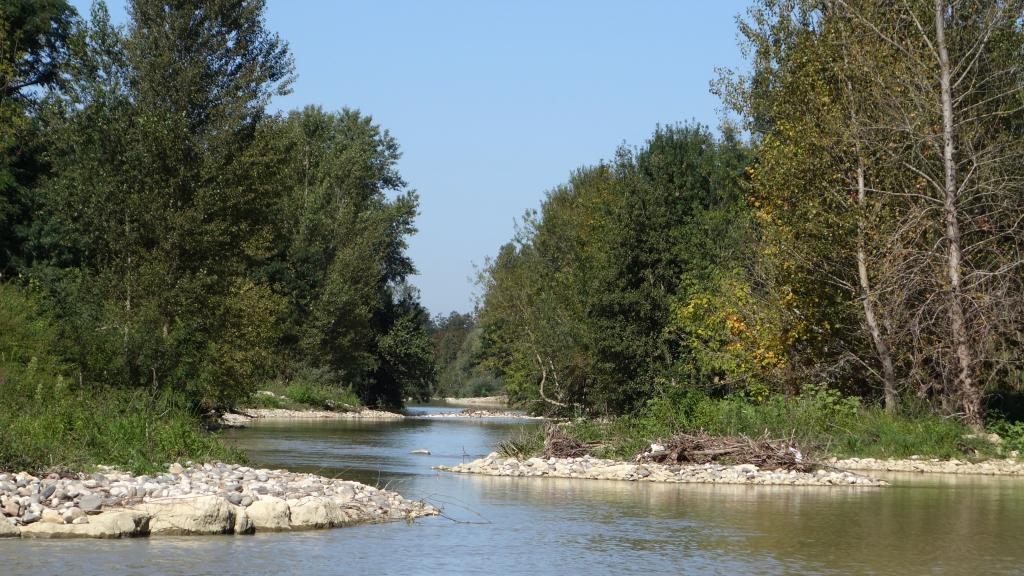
<point x="339" y="258"/>
<point x="154" y="201"/>
<point x="33" y="50"/>
<point x="918" y="104"/>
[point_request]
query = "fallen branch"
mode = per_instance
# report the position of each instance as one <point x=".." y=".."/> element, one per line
<point x="702" y="448"/>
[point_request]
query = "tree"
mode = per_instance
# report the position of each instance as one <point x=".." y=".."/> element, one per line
<point x="339" y="256"/>
<point x="154" y="217"/>
<point x="33" y="50"/>
<point x="912" y="110"/>
<point x="578" y="312"/>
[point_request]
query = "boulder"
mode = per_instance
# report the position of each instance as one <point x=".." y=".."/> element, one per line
<point x="191" y="515"/>
<point x="269" y="513"/>
<point x="8" y="530"/>
<point x="313" y="512"/>
<point x="52" y="516"/>
<point x="243" y="524"/>
<point x="119" y="524"/>
<point x="91" y="503"/>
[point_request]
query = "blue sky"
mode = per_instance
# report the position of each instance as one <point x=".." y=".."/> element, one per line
<point x="494" y="103"/>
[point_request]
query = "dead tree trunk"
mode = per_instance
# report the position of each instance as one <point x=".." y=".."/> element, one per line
<point x="867" y="299"/>
<point x="966" y="385"/>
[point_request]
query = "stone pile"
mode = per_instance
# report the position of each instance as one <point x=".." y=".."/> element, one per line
<point x="1007" y="467"/>
<point x="234" y="420"/>
<point x="599" y="469"/>
<point x="191" y="499"/>
<point x="481" y="413"/>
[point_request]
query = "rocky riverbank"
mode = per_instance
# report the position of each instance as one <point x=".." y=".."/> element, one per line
<point x="192" y="499"/>
<point x="241" y="419"/>
<point x="478" y="401"/>
<point x="599" y="469"/>
<point x="1007" y="467"/>
<point x="481" y="413"/>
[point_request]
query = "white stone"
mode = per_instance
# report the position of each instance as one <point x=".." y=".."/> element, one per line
<point x="269" y="513"/>
<point x="191" y="515"/>
<point x="120" y="524"/>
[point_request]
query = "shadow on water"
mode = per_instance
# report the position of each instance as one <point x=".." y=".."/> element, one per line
<point x="936" y="525"/>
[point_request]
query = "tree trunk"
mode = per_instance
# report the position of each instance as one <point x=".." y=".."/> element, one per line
<point x="881" y="348"/>
<point x="966" y="386"/>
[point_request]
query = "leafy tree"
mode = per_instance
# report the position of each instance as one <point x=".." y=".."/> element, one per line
<point x="339" y="252"/>
<point x="154" y="216"/>
<point x="577" y="313"/>
<point x="33" y="50"/>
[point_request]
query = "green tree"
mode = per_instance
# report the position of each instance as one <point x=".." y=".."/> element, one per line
<point x="155" y="218"/>
<point x="33" y="51"/>
<point x="339" y="251"/>
<point x="578" y="312"/>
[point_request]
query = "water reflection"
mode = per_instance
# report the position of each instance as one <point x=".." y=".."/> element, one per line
<point x="940" y="525"/>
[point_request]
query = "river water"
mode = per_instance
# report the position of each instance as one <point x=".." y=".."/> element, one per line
<point x="921" y="525"/>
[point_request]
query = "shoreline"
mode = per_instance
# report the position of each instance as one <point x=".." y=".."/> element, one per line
<point x="482" y="413"/>
<point x="590" y="468"/>
<point x="240" y="419"/>
<point x="193" y="499"/>
<point x="995" y="467"/>
<point x="489" y="401"/>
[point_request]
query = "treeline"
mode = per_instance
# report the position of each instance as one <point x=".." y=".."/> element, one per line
<point x="177" y="236"/>
<point x="867" y="237"/>
<point x="459" y="358"/>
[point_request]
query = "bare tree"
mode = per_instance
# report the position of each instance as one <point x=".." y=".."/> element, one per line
<point x="946" y="112"/>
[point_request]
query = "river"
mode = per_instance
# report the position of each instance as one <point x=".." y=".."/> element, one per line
<point x="921" y="525"/>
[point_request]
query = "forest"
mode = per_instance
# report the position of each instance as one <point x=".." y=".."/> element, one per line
<point x="850" y="239"/>
<point x="167" y="245"/>
<point x="854" y="233"/>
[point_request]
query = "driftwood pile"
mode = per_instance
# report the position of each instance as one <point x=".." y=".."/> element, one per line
<point x="702" y="448"/>
<point x="558" y="444"/>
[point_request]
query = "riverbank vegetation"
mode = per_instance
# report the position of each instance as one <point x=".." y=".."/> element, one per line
<point x="820" y="422"/>
<point x="302" y="394"/>
<point x="850" y="273"/>
<point x="177" y="246"/>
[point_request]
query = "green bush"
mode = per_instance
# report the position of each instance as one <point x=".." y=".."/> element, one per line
<point x="320" y="396"/>
<point x="821" y="421"/>
<point x="52" y="422"/>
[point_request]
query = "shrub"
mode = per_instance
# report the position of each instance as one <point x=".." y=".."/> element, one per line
<point x="52" y="422"/>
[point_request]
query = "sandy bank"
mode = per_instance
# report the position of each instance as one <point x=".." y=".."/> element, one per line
<point x="480" y="413"/>
<point x="478" y="401"/>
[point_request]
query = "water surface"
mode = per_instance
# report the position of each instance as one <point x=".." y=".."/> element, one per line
<point x="922" y="525"/>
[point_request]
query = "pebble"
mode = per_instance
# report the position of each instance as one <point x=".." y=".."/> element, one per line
<point x="477" y="413"/>
<point x="25" y="499"/>
<point x="600" y="469"/>
<point x="1006" y="467"/>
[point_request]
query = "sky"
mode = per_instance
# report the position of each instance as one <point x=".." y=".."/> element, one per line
<point x="496" y="102"/>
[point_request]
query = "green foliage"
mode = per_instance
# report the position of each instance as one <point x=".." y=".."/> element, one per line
<point x="583" y="300"/>
<point x="822" y="421"/>
<point x="319" y="396"/>
<point x="51" y="421"/>
<point x="1012" y="433"/>
<point x="458" y="354"/>
<point x="33" y="47"/>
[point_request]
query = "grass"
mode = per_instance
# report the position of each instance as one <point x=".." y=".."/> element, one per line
<point x="822" y="422"/>
<point x="51" y="422"/>
<point x="302" y="395"/>
<point x="76" y="430"/>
